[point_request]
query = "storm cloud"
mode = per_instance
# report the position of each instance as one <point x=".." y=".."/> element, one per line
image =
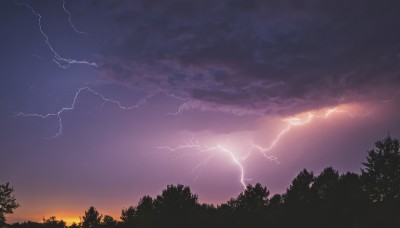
<point x="269" y="57"/>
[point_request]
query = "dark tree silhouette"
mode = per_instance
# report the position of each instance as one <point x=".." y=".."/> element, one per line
<point x="324" y="204"/>
<point x="249" y="207"/>
<point x="7" y="202"/>
<point x="109" y="222"/>
<point x="91" y="219"/>
<point x="253" y="199"/>
<point x="298" y="199"/>
<point x="52" y="222"/>
<point x="176" y="197"/>
<point x="299" y="191"/>
<point x="27" y="224"/>
<point x="74" y="225"/>
<point x="276" y="201"/>
<point x="381" y="175"/>
<point x="381" y="182"/>
<point x="274" y="211"/>
<point x="325" y="183"/>
<point x="207" y="216"/>
<point x="128" y="216"/>
<point x="145" y="212"/>
<point x="176" y="207"/>
<point x="349" y="201"/>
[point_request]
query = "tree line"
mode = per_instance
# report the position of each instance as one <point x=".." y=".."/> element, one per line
<point x="330" y="199"/>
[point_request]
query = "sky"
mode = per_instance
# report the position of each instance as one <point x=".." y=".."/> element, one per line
<point x="103" y="102"/>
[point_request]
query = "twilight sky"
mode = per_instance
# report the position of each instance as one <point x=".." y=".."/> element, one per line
<point x="102" y="102"/>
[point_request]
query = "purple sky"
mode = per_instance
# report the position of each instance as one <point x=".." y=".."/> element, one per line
<point x="313" y="83"/>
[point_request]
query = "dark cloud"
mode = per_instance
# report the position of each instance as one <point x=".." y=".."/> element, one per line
<point x="273" y="57"/>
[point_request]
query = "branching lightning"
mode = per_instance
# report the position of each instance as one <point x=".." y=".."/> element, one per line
<point x="224" y="148"/>
<point x="58" y="59"/>
<point x="60" y="112"/>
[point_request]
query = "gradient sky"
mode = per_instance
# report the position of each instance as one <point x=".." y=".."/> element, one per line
<point x="229" y="73"/>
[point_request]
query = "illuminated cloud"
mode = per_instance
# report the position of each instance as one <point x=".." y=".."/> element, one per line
<point x="272" y="57"/>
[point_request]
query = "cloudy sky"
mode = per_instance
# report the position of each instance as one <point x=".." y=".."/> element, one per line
<point x="103" y="102"/>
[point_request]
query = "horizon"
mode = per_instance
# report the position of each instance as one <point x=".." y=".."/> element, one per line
<point x="71" y="219"/>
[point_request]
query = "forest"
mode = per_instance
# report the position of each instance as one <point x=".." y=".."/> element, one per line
<point x="329" y="199"/>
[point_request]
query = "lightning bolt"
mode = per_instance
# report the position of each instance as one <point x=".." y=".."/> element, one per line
<point x="203" y="148"/>
<point x="236" y="161"/>
<point x="71" y="107"/>
<point x="180" y="109"/>
<point x="58" y="59"/>
<point x="292" y="121"/>
<point x="298" y="121"/>
<point x="70" y="20"/>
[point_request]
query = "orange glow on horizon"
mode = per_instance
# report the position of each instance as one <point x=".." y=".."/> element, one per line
<point x="69" y="219"/>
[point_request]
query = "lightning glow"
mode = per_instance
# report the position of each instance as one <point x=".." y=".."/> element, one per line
<point x="58" y="59"/>
<point x="293" y="121"/>
<point x="300" y="120"/>
<point x="71" y="107"/>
